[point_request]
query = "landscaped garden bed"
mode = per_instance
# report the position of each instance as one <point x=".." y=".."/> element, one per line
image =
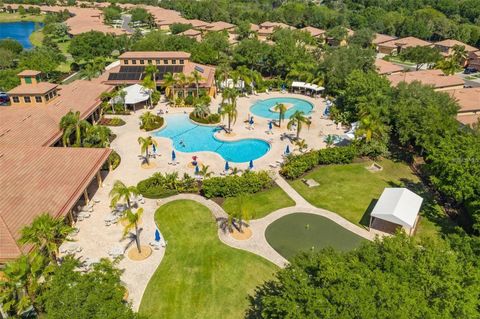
<point x="115" y="121"/>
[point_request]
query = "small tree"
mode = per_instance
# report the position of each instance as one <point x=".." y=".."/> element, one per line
<point x="281" y="109"/>
<point x="229" y="111"/>
<point x="145" y="143"/>
<point x="132" y="220"/>
<point x="298" y="118"/>
<point x="122" y="192"/>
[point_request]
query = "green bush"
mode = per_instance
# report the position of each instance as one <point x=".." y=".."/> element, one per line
<point x="116" y="121"/>
<point x="297" y="165"/>
<point x="156" y="97"/>
<point x="153" y="125"/>
<point x="210" y="119"/>
<point x="233" y="185"/>
<point x="164" y="185"/>
<point x="114" y="160"/>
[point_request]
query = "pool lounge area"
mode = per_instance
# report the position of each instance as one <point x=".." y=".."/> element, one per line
<point x="189" y="137"/>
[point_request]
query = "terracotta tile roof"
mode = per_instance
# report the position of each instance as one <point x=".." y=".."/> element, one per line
<point x="406" y="43"/>
<point x="32" y="89"/>
<point x="449" y="43"/>
<point x="208" y="74"/>
<point x="381" y="38"/>
<point x="197" y="23"/>
<point x="155" y="55"/>
<point x="314" y="32"/>
<point x="467" y="98"/>
<point x="436" y="78"/>
<point x="254" y="27"/>
<point x="190" y="32"/>
<point x="29" y="73"/>
<point x="220" y="26"/>
<point x="468" y="119"/>
<point x="386" y="67"/>
<point x="272" y="25"/>
<point x="41" y="179"/>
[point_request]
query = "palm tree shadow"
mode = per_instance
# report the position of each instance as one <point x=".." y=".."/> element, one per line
<point x="132" y="238"/>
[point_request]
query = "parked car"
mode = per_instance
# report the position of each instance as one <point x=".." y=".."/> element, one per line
<point x="469" y="71"/>
<point x="4" y="99"/>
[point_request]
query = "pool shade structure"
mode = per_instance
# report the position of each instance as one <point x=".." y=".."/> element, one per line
<point x="134" y="94"/>
<point x="307" y="87"/>
<point x="396" y="207"/>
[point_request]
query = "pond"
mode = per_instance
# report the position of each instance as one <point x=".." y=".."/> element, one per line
<point x="19" y="31"/>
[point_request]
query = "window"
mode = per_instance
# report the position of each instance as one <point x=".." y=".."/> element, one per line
<point x="182" y="61"/>
<point x="15" y="99"/>
<point x="125" y="61"/>
<point x="174" y="61"/>
<point x="165" y="61"/>
<point x="149" y="61"/>
<point x="157" y="61"/>
<point x="38" y="99"/>
<point x="27" y="99"/>
<point x="142" y="61"/>
<point x="47" y="97"/>
<point x="28" y="80"/>
<point x="134" y="61"/>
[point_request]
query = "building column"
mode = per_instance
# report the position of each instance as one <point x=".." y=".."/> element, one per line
<point x="85" y="196"/>
<point x="99" y="180"/>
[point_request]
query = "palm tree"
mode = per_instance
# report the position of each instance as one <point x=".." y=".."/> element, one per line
<point x="145" y="143"/>
<point x="230" y="95"/>
<point x="182" y="81"/>
<point x="329" y="140"/>
<point x="151" y="71"/>
<point x="302" y="145"/>
<point x="243" y="212"/>
<point x="169" y="82"/>
<point x="97" y="136"/>
<point x="106" y="97"/>
<point x="149" y="84"/>
<point x="459" y="54"/>
<point x="204" y="171"/>
<point x="448" y="66"/>
<point x="200" y="110"/>
<point x="20" y="284"/>
<point x="120" y="192"/>
<point x="46" y="232"/>
<point x="298" y="118"/>
<point x="70" y="123"/>
<point x="370" y="127"/>
<point x="121" y="93"/>
<point x="148" y="119"/>
<point x="132" y="220"/>
<point x="230" y="111"/>
<point x="281" y="109"/>
<point x="196" y="77"/>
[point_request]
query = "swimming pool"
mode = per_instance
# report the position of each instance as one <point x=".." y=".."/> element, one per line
<point x="189" y="137"/>
<point x="263" y="108"/>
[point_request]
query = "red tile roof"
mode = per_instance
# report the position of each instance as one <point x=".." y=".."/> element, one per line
<point x="386" y="67"/>
<point x="32" y="89"/>
<point x="381" y="38"/>
<point x="467" y="98"/>
<point x="41" y="179"/>
<point x="436" y="78"/>
<point x="314" y="32"/>
<point x="406" y="43"/>
<point x="29" y="73"/>
<point x="155" y="55"/>
<point x="450" y="43"/>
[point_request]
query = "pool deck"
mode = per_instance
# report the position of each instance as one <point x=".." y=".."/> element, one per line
<point x="96" y="239"/>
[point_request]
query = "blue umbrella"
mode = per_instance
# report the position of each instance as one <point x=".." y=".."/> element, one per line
<point x="287" y="150"/>
<point x="154" y="148"/>
<point x="157" y="235"/>
<point x="197" y="170"/>
<point x="227" y="167"/>
<point x="250" y="165"/>
<point x="174" y="156"/>
<point x="270" y="125"/>
<point x="251" y="120"/>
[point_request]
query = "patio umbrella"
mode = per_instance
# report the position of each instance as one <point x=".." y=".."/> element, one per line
<point x="154" y="148"/>
<point x="270" y="125"/>
<point x="287" y="150"/>
<point x="197" y="170"/>
<point x="250" y="165"/>
<point x="174" y="156"/>
<point x="251" y="121"/>
<point x="157" y="235"/>
<point x="227" y="167"/>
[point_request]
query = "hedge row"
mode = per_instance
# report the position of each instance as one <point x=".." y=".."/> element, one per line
<point x="164" y="185"/>
<point x="297" y="165"/>
<point x="210" y="119"/>
<point x="233" y="185"/>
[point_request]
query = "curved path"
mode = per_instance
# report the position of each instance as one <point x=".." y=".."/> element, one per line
<point x="258" y="244"/>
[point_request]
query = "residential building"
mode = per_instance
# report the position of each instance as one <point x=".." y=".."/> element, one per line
<point x="32" y="91"/>
<point x="435" y="78"/>
<point x="266" y="29"/>
<point x="132" y="68"/>
<point x="469" y="101"/>
<point x="474" y="60"/>
<point x="395" y="46"/>
<point x="446" y="46"/>
<point x="192" y="34"/>
<point x="385" y="67"/>
<point x="315" y="32"/>
<point x="381" y="38"/>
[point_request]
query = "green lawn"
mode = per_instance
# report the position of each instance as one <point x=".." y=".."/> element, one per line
<point x="199" y="276"/>
<point x="36" y="38"/>
<point x="351" y="191"/>
<point x="299" y="232"/>
<point x="262" y="203"/>
<point x="14" y="17"/>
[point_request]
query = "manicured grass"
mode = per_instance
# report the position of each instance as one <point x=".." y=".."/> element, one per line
<point x="299" y="232"/>
<point x="199" y="276"/>
<point x="351" y="191"/>
<point x="260" y="204"/>
<point x="14" y="17"/>
<point x="36" y="38"/>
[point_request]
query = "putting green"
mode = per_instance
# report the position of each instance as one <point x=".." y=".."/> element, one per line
<point x="299" y="232"/>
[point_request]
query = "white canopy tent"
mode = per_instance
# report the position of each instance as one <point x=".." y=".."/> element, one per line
<point x="228" y="83"/>
<point x="399" y="206"/>
<point x="134" y="94"/>
<point x="307" y="86"/>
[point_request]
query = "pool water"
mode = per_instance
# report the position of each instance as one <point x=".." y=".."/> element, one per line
<point x="19" y="31"/>
<point x="189" y="137"/>
<point x="262" y="108"/>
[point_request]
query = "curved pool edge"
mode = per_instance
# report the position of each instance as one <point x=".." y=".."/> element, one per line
<point x="286" y="100"/>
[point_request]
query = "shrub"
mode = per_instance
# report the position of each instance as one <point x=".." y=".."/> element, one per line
<point x="233" y="185"/>
<point x="163" y="185"/>
<point x="189" y="100"/>
<point x="297" y="165"/>
<point x="156" y="97"/>
<point x="116" y="121"/>
<point x="114" y="160"/>
<point x="210" y="119"/>
<point x="151" y="122"/>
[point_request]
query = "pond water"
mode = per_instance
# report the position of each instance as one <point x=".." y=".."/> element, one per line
<point x="19" y="31"/>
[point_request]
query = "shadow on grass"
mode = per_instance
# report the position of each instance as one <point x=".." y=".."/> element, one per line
<point x="365" y="220"/>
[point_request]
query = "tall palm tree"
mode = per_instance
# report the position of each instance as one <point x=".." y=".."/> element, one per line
<point x="370" y="127"/>
<point x="281" y="109"/>
<point x="230" y="95"/>
<point x="46" y="232"/>
<point x="106" y="97"/>
<point x="121" y="192"/>
<point x="150" y="85"/>
<point x="196" y="77"/>
<point x="169" y="82"/>
<point x="145" y="143"/>
<point x="151" y="72"/>
<point x="200" y="109"/>
<point x="205" y="172"/>
<point x="298" y="118"/>
<point x="329" y="140"/>
<point x="20" y="284"/>
<point x="132" y="220"/>
<point x="459" y="54"/>
<point x="243" y="213"/>
<point x="182" y="81"/>
<point x="230" y="111"/>
<point x="121" y="93"/>
<point x="97" y="136"/>
<point x="71" y="123"/>
<point x="148" y="119"/>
